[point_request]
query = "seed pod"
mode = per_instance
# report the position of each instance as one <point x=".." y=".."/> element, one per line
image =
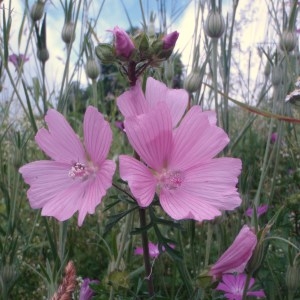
<point x="288" y="41"/>
<point x="215" y="25"/>
<point x="92" y="68"/>
<point x="37" y="10"/>
<point x="68" y="33"/>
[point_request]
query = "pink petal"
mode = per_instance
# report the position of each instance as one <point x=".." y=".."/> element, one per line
<point x="181" y="205"/>
<point x="214" y="182"/>
<point x="60" y="141"/>
<point x="205" y="191"/>
<point x="96" y="190"/>
<point x="151" y="136"/>
<point x="139" y="251"/>
<point x="133" y="102"/>
<point x="196" y="140"/>
<point x="259" y="294"/>
<point x="236" y="257"/>
<point x="140" y="180"/>
<point x="66" y="202"/>
<point x="177" y="100"/>
<point x="97" y="135"/>
<point x="46" y="179"/>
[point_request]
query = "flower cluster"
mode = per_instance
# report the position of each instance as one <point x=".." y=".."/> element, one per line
<point x="176" y="162"/>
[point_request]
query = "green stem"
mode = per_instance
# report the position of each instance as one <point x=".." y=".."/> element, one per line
<point x="148" y="269"/>
<point x="208" y="244"/>
<point x="249" y="275"/>
<point x="95" y="95"/>
<point x="215" y="76"/>
<point x="63" y="226"/>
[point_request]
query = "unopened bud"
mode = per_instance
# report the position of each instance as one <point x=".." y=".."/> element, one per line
<point x="288" y="41"/>
<point x="192" y="82"/>
<point x="68" y="33"/>
<point x="42" y="55"/>
<point x="292" y="277"/>
<point x="170" y="40"/>
<point x="105" y="53"/>
<point x="215" y="25"/>
<point x="257" y="256"/>
<point x="92" y="68"/>
<point x="124" y="46"/>
<point x="267" y="70"/>
<point x="37" y="10"/>
<point x="276" y="76"/>
<point x="8" y="274"/>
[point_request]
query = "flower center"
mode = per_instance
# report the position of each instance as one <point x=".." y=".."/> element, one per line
<point x="82" y="171"/>
<point x="170" y="180"/>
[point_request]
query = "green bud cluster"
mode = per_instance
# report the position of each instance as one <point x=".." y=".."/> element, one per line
<point x="148" y="49"/>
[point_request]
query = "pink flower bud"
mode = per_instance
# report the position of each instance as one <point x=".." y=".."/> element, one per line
<point x="123" y="43"/>
<point x="169" y="40"/>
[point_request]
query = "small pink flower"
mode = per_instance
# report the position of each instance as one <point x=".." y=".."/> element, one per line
<point x="262" y="209"/>
<point x="153" y="250"/>
<point x="274" y="137"/>
<point x="123" y="44"/>
<point x="134" y="103"/>
<point x="179" y="165"/>
<point x="86" y="293"/>
<point x="170" y="40"/>
<point x="120" y="125"/>
<point x="234" y="285"/>
<point x="236" y="257"/>
<point x="78" y="175"/>
<point x="18" y="60"/>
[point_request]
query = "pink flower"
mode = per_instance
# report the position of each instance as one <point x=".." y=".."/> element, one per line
<point x="123" y="44"/>
<point x="153" y="250"/>
<point x="17" y="60"/>
<point x="170" y="40"/>
<point x="236" y="257"/>
<point x="262" y="209"/>
<point x="234" y="285"/>
<point x="179" y="165"/>
<point x="78" y="175"/>
<point x="86" y="293"/>
<point x="134" y="103"/>
<point x="274" y="137"/>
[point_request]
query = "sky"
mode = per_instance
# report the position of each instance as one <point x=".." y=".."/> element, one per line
<point x="180" y="16"/>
